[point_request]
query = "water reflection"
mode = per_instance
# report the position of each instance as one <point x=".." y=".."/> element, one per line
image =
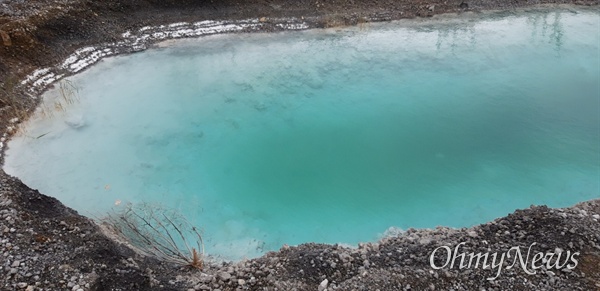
<point x="547" y="27"/>
<point x="543" y="27"/>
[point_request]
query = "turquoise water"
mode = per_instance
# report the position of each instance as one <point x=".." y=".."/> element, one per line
<point x="332" y="135"/>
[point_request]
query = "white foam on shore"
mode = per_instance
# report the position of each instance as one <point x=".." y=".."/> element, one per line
<point x="46" y="80"/>
<point x="36" y="74"/>
<point x="293" y="26"/>
<point x="90" y="59"/>
<point x="139" y="40"/>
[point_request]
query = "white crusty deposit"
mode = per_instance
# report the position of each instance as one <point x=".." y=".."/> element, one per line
<point x="134" y="41"/>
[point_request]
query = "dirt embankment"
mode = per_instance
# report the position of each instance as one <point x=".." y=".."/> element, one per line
<point x="48" y="246"/>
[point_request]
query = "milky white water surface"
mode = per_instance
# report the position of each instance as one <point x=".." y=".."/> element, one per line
<point x="332" y="135"/>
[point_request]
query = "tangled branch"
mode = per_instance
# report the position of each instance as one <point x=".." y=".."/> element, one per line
<point x="158" y="232"/>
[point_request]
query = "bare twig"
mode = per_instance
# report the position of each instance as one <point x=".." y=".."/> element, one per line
<point x="154" y="231"/>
